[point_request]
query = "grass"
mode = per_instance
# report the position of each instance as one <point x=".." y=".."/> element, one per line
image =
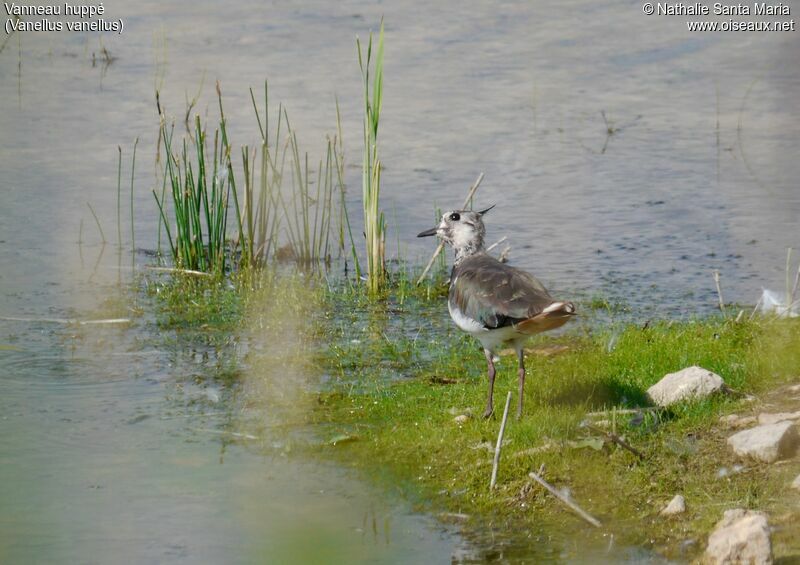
<point x="185" y="302"/>
<point x="402" y="407"/>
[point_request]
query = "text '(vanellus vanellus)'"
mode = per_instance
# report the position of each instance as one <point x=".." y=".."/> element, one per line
<point x="494" y="302"/>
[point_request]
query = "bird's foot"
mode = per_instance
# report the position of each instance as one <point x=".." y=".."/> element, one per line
<point x="488" y="413"/>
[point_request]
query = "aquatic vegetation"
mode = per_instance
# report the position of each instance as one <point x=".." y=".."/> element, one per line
<point x="308" y="213"/>
<point x="374" y="220"/>
<point x="284" y="207"/>
<point x="203" y="188"/>
<point x="97" y="222"/>
<point x="199" y="197"/>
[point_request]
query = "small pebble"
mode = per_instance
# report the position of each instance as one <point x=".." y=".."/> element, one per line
<point x="212" y="395"/>
<point x="676" y="506"/>
<point x="461" y="419"/>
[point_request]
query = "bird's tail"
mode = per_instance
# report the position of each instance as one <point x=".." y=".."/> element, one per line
<point x="554" y="316"/>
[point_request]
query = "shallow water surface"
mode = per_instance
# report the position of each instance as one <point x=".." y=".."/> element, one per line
<point x="627" y="157"/>
<point x="117" y="445"/>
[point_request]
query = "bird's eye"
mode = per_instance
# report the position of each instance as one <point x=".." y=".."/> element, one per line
<point x="455" y="216"/>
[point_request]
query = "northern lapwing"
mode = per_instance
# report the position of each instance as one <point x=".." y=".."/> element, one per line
<point x="494" y="302"/>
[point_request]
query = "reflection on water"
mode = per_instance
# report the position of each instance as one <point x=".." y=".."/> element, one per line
<point x="626" y="158"/>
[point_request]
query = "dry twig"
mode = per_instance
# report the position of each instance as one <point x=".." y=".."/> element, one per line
<point x="499" y="444"/>
<point x="566" y="500"/>
<point x="719" y="293"/>
<point x="616" y="439"/>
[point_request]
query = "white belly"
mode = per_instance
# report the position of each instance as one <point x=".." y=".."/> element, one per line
<point x="491" y="339"/>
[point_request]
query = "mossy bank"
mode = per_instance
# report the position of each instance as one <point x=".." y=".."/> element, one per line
<point x="410" y="394"/>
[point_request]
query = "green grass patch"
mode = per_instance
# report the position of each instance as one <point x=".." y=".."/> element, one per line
<point x="399" y="392"/>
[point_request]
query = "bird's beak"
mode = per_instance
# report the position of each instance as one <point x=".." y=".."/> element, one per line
<point x="428" y="233"/>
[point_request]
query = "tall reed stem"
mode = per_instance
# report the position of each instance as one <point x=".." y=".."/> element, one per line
<point x="374" y="220"/>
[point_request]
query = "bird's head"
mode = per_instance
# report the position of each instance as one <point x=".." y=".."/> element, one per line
<point x="463" y="229"/>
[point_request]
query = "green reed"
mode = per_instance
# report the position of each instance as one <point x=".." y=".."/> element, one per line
<point x="281" y="200"/>
<point x="303" y="207"/>
<point x="374" y="221"/>
<point x="199" y="199"/>
<point x="261" y="199"/>
<point x="344" y="218"/>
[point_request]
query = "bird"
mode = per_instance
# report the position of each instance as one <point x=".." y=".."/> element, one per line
<point x="496" y="303"/>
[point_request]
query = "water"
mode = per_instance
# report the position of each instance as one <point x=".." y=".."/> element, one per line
<point x="106" y="448"/>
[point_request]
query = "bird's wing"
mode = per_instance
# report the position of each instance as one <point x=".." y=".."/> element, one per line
<point x="495" y="294"/>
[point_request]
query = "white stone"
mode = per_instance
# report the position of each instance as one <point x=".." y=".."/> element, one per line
<point x="742" y="536"/>
<point x="676" y="506"/>
<point x="736" y="421"/>
<point x="692" y="382"/>
<point x="796" y="483"/>
<point x="729" y="420"/>
<point x="461" y="419"/>
<point x="767" y="418"/>
<point x="768" y="442"/>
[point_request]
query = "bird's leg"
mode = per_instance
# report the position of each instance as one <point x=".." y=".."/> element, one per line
<point x="521" y="373"/>
<point x="491" y="373"/>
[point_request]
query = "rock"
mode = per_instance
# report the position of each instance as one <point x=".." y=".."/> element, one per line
<point x="796" y="483"/>
<point x="745" y="421"/>
<point x="485" y="446"/>
<point x="453" y="517"/>
<point x="692" y="382"/>
<point x="736" y="421"/>
<point x="742" y="536"/>
<point x="687" y="545"/>
<point x="768" y="442"/>
<point x="461" y="419"/>
<point x="767" y="418"/>
<point x="735" y="470"/>
<point x="676" y="506"/>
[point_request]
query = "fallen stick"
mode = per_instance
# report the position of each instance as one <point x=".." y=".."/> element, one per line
<point x="441" y="243"/>
<point x="495" y="244"/>
<point x="623" y="411"/>
<point x="616" y="439"/>
<point x="755" y="308"/>
<point x="175" y="270"/>
<point x="566" y="500"/>
<point x="499" y="444"/>
<point x="224" y="433"/>
<point x="66" y="321"/>
<point x="719" y="294"/>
